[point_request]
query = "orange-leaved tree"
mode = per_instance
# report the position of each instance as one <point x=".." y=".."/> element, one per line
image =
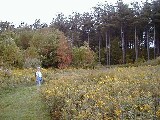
<point x="64" y="54"/>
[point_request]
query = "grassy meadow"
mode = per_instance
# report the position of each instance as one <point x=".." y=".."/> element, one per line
<point x="119" y="93"/>
<point x="22" y="103"/>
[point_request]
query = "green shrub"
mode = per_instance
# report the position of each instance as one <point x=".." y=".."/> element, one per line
<point x="32" y="63"/>
<point x="83" y="57"/>
<point x="52" y="48"/>
<point x="23" y="39"/>
<point x="152" y="62"/>
<point x="11" y="55"/>
<point x="32" y="58"/>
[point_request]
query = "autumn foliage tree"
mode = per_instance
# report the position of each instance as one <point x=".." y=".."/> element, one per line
<point x="64" y="55"/>
<point x="52" y="47"/>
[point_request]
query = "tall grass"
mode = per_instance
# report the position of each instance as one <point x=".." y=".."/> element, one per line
<point x="22" y="103"/>
<point x="19" y="97"/>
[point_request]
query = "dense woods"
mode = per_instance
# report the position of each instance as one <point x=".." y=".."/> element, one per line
<point x="110" y="34"/>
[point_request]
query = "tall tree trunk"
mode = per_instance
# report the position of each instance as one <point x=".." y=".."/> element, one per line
<point x="72" y="42"/>
<point x="136" y="44"/>
<point x="108" y="51"/>
<point x="154" y="42"/>
<point x="148" y="55"/>
<point x="99" y="48"/>
<point x="109" y="47"/>
<point x="88" y="37"/>
<point x="123" y="45"/>
<point x="107" y="61"/>
<point x="158" y="47"/>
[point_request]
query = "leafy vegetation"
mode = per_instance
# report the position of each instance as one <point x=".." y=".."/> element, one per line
<point x="20" y="98"/>
<point x="118" y="33"/>
<point x="83" y="57"/>
<point x="117" y="93"/>
<point x="46" y="47"/>
<point x="109" y="35"/>
<point x="103" y="93"/>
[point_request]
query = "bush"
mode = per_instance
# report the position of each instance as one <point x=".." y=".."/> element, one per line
<point x="23" y="39"/>
<point x="52" y="47"/>
<point x="32" y="58"/>
<point x="15" y="77"/>
<point x="142" y="62"/>
<point x="83" y="57"/>
<point x="11" y="55"/>
<point x="32" y="63"/>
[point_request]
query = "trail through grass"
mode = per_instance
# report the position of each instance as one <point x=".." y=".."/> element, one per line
<point x="22" y="103"/>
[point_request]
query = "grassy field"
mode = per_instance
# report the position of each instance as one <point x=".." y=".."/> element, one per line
<point x="22" y="103"/>
<point x="119" y="93"/>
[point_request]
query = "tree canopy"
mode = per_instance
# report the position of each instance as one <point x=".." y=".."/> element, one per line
<point x="118" y="34"/>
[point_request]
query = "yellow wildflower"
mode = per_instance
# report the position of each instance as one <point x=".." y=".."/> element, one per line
<point x="158" y="113"/>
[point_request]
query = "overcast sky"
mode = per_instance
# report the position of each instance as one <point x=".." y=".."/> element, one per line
<point x="27" y="11"/>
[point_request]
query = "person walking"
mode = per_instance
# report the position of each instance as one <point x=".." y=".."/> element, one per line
<point x="38" y="76"/>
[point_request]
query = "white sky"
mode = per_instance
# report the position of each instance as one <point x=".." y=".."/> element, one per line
<point x="28" y="11"/>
